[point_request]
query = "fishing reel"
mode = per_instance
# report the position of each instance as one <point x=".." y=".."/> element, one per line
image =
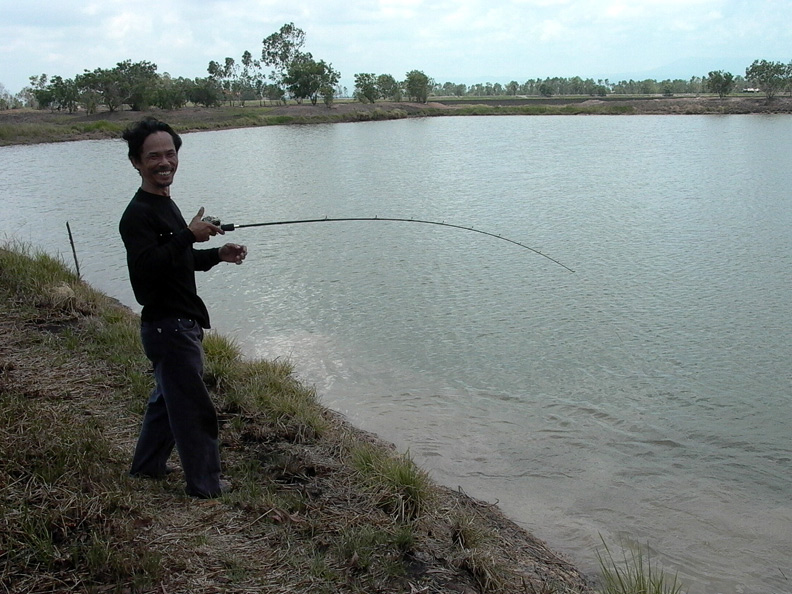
<point x="216" y="222"/>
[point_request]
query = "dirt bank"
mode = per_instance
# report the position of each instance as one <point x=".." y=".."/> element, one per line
<point x="34" y="126"/>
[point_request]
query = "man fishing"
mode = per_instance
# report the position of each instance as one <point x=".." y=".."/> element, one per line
<point x="162" y="263"/>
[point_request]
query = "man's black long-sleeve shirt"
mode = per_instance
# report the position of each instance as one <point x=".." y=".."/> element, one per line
<point x="161" y="259"/>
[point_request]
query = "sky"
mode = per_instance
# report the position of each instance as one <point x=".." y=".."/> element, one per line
<point x="461" y="41"/>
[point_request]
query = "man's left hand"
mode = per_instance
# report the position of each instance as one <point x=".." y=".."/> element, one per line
<point x="232" y="252"/>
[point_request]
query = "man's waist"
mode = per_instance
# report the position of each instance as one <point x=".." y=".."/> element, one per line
<point x="152" y="315"/>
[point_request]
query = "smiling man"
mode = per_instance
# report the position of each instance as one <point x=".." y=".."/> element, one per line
<point x="162" y="263"/>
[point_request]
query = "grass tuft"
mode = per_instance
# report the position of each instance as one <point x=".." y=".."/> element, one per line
<point x="400" y="486"/>
<point x="633" y="573"/>
<point x="466" y="533"/>
<point x="222" y="358"/>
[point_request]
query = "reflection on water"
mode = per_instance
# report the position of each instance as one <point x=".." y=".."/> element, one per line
<point x="645" y="397"/>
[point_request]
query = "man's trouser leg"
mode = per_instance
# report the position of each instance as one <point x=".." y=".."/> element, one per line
<point x="175" y="350"/>
<point x="156" y="442"/>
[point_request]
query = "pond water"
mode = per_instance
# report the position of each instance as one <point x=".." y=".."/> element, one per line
<point x="645" y="398"/>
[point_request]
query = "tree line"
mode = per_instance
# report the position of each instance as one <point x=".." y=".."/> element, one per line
<point x="294" y="74"/>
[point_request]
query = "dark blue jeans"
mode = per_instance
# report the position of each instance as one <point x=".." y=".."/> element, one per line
<point x="180" y="411"/>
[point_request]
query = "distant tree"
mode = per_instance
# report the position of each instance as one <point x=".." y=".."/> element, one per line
<point x="41" y="92"/>
<point x="789" y="77"/>
<point x="226" y="75"/>
<point x="545" y="90"/>
<point x="389" y="88"/>
<point x="670" y="87"/>
<point x="6" y="99"/>
<point x="574" y="86"/>
<point x="275" y="92"/>
<point x="694" y="85"/>
<point x="172" y="93"/>
<point x="417" y="85"/>
<point x="330" y="79"/>
<point x="206" y="92"/>
<point x="38" y="82"/>
<point x="280" y="49"/>
<point x="258" y="80"/>
<point x="9" y="101"/>
<point x="215" y="70"/>
<point x="249" y="78"/>
<point x="305" y="77"/>
<point x="90" y="97"/>
<point x="366" y="90"/>
<point x="302" y="78"/>
<point x="65" y="93"/>
<point x="260" y="85"/>
<point x="770" y="77"/>
<point x="513" y="88"/>
<point x="649" y="86"/>
<point x="44" y="98"/>
<point x="328" y="93"/>
<point x="138" y="81"/>
<point x="720" y="82"/>
<point x="102" y="86"/>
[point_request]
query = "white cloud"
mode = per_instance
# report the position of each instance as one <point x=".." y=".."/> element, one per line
<point x="553" y="31"/>
<point x="127" y="25"/>
<point x="446" y="39"/>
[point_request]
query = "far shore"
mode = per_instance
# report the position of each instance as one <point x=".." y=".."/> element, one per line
<point x="27" y="126"/>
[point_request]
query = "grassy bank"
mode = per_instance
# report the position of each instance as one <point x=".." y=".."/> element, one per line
<point x="316" y="506"/>
<point x="28" y="127"/>
<point x="32" y="126"/>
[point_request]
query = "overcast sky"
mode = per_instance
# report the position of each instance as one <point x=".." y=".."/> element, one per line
<point x="463" y="41"/>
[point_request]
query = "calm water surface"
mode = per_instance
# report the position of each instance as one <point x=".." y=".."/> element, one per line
<point x="646" y="398"/>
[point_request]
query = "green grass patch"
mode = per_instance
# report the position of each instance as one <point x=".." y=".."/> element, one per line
<point x="63" y="510"/>
<point x="401" y="488"/>
<point x="278" y="120"/>
<point x="112" y="128"/>
<point x="633" y="573"/>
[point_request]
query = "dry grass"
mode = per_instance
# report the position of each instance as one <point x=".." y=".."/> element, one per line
<point x="317" y="505"/>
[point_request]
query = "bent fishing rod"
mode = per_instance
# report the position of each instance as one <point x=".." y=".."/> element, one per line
<point x="232" y="227"/>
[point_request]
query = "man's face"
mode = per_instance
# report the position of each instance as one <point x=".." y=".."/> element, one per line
<point x="157" y="163"/>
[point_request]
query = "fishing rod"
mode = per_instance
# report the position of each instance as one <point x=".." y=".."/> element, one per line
<point x="232" y="227"/>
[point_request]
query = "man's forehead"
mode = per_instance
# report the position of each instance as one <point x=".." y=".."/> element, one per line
<point x="158" y="142"/>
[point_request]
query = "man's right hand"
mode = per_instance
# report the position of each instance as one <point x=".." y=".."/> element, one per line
<point x="203" y="230"/>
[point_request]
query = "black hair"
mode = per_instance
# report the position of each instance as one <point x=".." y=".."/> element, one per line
<point x="136" y="135"/>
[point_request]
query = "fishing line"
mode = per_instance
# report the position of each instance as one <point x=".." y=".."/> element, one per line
<point x="232" y="227"/>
